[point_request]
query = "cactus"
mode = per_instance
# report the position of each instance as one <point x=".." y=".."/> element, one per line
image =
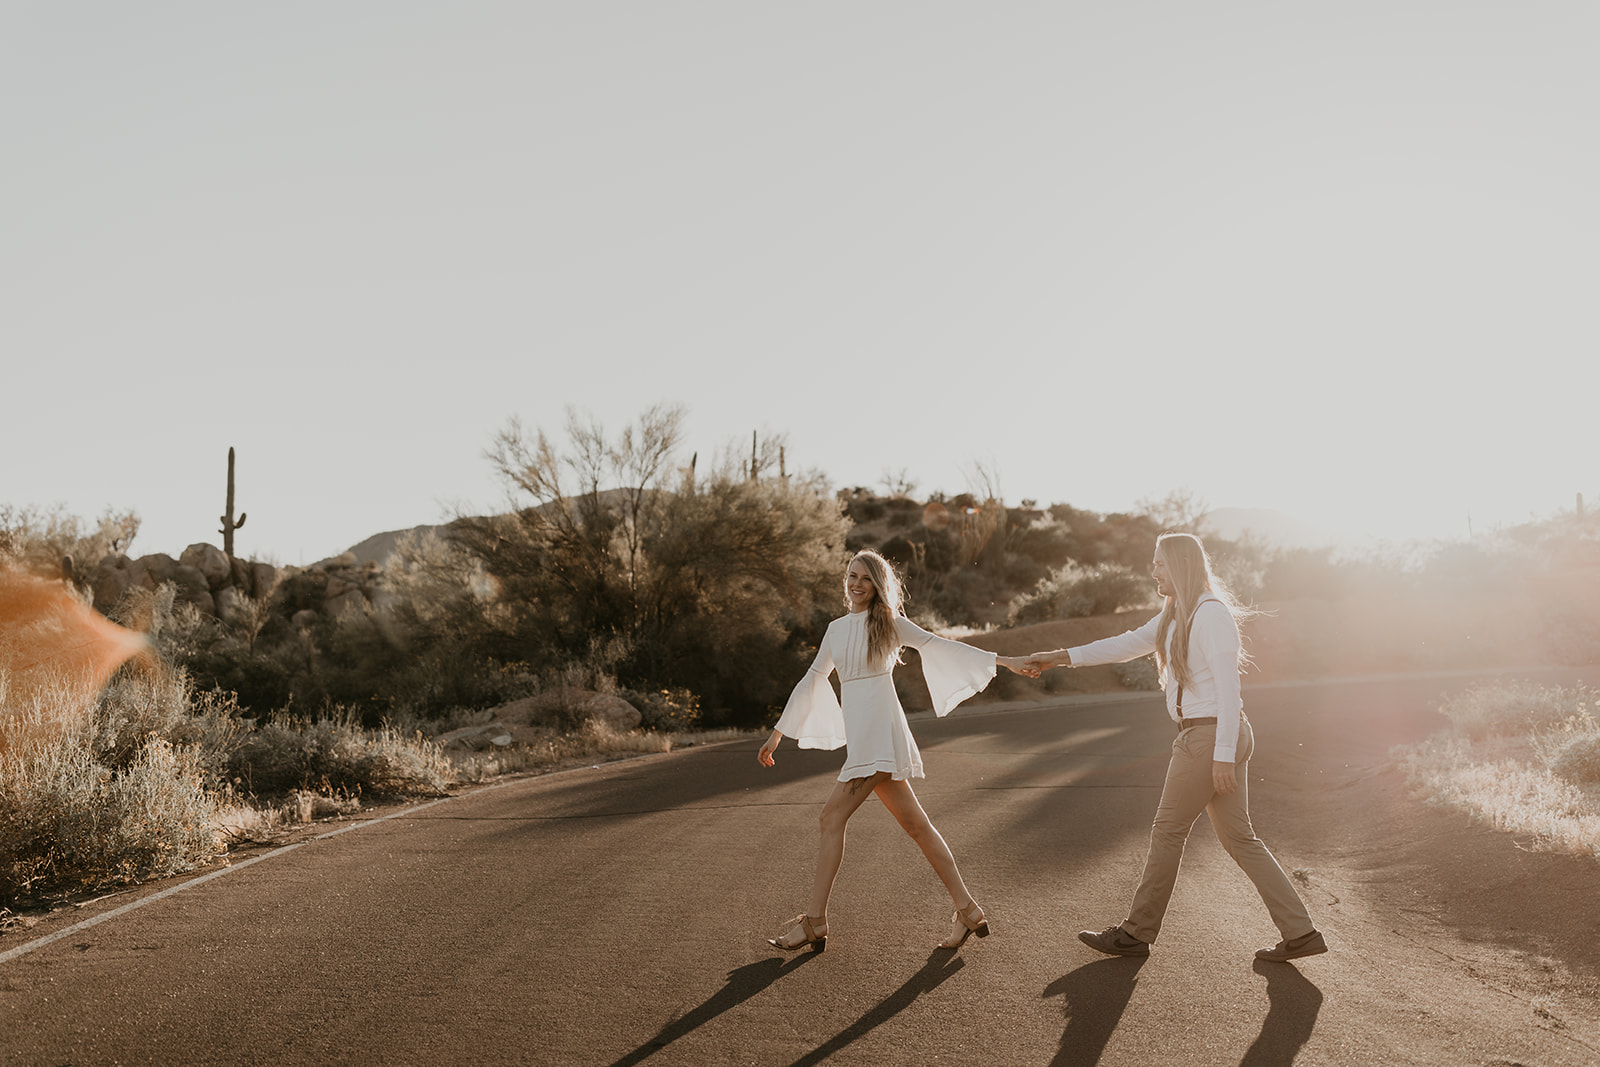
<point x="228" y="525"/>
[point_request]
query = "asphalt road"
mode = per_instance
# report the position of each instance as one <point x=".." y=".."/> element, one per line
<point x="615" y="915"/>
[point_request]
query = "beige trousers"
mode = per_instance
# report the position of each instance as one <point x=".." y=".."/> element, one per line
<point x="1187" y="793"/>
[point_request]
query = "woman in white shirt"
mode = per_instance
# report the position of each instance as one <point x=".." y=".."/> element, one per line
<point x="863" y="647"/>
<point x="1196" y="643"/>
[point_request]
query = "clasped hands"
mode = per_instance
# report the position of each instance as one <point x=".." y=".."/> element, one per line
<point x="1031" y="666"/>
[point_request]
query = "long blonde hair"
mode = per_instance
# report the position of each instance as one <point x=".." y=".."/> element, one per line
<point x="1190" y="574"/>
<point x="888" y="600"/>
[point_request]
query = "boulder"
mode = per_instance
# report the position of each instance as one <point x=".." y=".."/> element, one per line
<point x="192" y="587"/>
<point x="229" y="600"/>
<point x="263" y="579"/>
<point x="494" y="734"/>
<point x="110" y="585"/>
<point x="349" y="602"/>
<point x="304" y="619"/>
<point x="210" y="561"/>
<point x="150" y="571"/>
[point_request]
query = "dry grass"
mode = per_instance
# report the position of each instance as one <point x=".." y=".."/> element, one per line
<point x="593" y="741"/>
<point x="1516" y="759"/>
<point x="151" y="780"/>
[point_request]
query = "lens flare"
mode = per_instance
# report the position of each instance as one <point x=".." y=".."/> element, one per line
<point x="55" y="653"/>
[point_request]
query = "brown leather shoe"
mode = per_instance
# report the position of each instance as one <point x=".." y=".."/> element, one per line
<point x="1305" y="945"/>
<point x="1114" y="941"/>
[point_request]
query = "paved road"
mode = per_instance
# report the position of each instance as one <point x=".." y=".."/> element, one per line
<point x="614" y="916"/>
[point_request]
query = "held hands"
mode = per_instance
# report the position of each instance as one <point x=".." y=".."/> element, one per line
<point x="1018" y="665"/>
<point x="1037" y="663"/>
<point x="764" y="757"/>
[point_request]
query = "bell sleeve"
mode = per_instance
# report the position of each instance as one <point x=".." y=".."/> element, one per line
<point x="953" y="671"/>
<point x="813" y="716"/>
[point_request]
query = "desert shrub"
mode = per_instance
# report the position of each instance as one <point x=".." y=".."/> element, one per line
<point x="1579" y="760"/>
<point x="69" y="823"/>
<point x="1138" y="673"/>
<point x="335" y="755"/>
<point x="712" y="584"/>
<point x="53" y="541"/>
<point x="1503" y="709"/>
<point x="665" y="710"/>
<point x="1075" y="591"/>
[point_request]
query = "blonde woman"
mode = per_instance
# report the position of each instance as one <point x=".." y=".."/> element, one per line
<point x="1196" y="643"/>
<point x="863" y="647"/>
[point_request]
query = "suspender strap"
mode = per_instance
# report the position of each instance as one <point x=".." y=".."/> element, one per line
<point x="1192" y="614"/>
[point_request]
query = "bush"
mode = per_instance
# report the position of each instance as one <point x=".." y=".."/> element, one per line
<point x="1140" y="673"/>
<point x="1075" y="591"/>
<point x="335" y="755"/>
<point x="666" y="709"/>
<point x="70" y="823"/>
<point x="1506" y="709"/>
<point x="1578" y="760"/>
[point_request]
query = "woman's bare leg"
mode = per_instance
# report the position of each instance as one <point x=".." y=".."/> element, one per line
<point x="902" y="803"/>
<point x="841" y="804"/>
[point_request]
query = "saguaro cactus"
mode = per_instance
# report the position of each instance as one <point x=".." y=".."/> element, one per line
<point x="228" y="525"/>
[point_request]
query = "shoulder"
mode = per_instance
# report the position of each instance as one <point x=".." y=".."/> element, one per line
<point x="1213" y="611"/>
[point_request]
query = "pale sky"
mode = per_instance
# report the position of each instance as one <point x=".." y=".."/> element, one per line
<point x="1339" y="260"/>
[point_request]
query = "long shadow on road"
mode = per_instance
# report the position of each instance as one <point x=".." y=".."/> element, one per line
<point x="940" y="966"/>
<point x="1096" y="996"/>
<point x="1292" y="1013"/>
<point x="743" y="983"/>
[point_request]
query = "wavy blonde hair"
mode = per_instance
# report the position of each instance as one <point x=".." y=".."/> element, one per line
<point x="1189" y="571"/>
<point x="888" y="600"/>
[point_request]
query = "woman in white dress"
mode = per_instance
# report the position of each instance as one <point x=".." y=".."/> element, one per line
<point x="882" y="756"/>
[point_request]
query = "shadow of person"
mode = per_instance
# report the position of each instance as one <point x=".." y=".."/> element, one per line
<point x="742" y="984"/>
<point x="1293" y="1003"/>
<point x="940" y="966"/>
<point x="1096" y="996"/>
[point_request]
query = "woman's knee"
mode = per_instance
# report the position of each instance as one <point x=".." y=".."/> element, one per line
<point x="832" y="821"/>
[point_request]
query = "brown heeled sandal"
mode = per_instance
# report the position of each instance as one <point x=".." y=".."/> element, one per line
<point x="818" y="942"/>
<point x="979" y="926"/>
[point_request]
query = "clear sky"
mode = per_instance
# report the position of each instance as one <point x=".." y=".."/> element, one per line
<point x="1336" y="259"/>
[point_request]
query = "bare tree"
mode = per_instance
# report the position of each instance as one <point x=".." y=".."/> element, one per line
<point x="1180" y="509"/>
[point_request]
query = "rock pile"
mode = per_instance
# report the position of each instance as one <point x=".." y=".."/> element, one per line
<point x="205" y="577"/>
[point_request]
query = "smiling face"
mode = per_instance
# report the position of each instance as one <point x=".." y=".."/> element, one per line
<point x="858" y="587"/>
<point x="1158" y="569"/>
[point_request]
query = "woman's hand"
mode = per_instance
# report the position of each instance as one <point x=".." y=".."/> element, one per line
<point x="1039" y="662"/>
<point x="764" y="757"/>
<point x="1222" y="778"/>
<point x="1018" y="665"/>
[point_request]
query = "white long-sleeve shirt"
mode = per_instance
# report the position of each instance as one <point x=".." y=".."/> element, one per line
<point x="1213" y="687"/>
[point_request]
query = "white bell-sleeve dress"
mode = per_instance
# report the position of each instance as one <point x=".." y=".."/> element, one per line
<point x="869" y="719"/>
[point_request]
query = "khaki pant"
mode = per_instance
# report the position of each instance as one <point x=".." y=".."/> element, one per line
<point x="1187" y="793"/>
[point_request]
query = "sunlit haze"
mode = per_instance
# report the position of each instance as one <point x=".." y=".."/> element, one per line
<point x="1334" y="260"/>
